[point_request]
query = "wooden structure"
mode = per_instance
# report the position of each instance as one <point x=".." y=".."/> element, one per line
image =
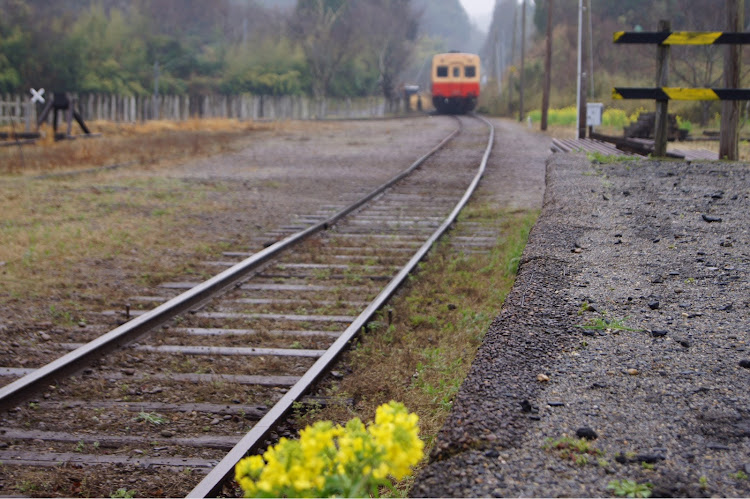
<point x="645" y="128"/>
<point x="662" y="94"/>
<point x="60" y="102"/>
<point x="621" y="146"/>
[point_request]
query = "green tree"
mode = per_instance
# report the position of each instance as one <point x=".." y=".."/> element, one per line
<point x="110" y="52"/>
<point x="266" y="68"/>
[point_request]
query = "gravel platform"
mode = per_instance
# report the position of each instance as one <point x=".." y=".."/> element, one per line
<point x="629" y="324"/>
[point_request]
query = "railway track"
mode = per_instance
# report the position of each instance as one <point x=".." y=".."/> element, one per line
<point x="170" y="400"/>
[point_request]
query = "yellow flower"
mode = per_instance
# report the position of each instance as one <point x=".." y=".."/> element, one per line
<point x="330" y="460"/>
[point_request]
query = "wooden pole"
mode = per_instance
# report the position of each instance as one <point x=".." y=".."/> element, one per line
<point x="581" y="132"/>
<point x="662" y="112"/>
<point x="523" y="57"/>
<point x="547" y="66"/>
<point x="513" y="62"/>
<point x="730" y="110"/>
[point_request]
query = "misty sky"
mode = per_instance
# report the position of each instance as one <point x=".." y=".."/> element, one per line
<point x="480" y="11"/>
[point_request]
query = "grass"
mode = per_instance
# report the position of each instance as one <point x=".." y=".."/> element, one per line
<point x="110" y="224"/>
<point x="605" y="323"/>
<point x="123" y="493"/>
<point x="147" y="143"/>
<point x="50" y="229"/>
<point x="578" y="450"/>
<point x="438" y="323"/>
<point x="151" y="418"/>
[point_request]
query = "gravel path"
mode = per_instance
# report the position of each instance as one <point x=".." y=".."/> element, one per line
<point x="659" y="251"/>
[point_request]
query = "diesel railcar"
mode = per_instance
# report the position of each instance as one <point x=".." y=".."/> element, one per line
<point x="455" y="82"/>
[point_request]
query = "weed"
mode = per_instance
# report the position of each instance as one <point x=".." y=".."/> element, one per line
<point x="604" y="159"/>
<point x="151" y="417"/>
<point x="629" y="488"/>
<point x="740" y="475"/>
<point x="34" y="405"/>
<point x="322" y="273"/>
<point x="63" y="317"/>
<point x="647" y="466"/>
<point x="123" y="494"/>
<point x="307" y="410"/>
<point x="80" y="446"/>
<point x="703" y="482"/>
<point x="26" y="486"/>
<point x="576" y="449"/>
<point x="605" y="324"/>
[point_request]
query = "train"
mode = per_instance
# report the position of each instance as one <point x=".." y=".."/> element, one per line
<point x="455" y="82"/>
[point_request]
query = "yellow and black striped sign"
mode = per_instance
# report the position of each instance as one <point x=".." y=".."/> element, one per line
<point x="683" y="37"/>
<point x="677" y="93"/>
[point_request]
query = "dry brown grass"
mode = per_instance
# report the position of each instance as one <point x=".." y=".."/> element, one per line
<point x="109" y="225"/>
<point x="141" y="143"/>
<point x="52" y="230"/>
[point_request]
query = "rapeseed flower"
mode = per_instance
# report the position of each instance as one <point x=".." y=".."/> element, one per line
<point x="328" y="460"/>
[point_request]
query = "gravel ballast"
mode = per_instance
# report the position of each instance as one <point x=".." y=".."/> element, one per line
<point x="629" y="326"/>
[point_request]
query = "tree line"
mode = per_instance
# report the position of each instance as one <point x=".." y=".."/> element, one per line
<point x="338" y="48"/>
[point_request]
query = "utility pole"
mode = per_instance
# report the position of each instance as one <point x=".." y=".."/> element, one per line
<point x="523" y="57"/>
<point x="512" y="61"/>
<point x="730" y="110"/>
<point x="581" y="119"/>
<point x="547" y="66"/>
<point x="591" y="50"/>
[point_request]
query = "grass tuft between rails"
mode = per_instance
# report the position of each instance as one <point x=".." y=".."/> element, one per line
<point x="438" y="322"/>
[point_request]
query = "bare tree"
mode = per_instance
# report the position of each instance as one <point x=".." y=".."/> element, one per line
<point x="327" y="37"/>
<point x="390" y="32"/>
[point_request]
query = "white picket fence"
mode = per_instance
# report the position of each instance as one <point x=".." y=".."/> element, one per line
<point x="128" y="109"/>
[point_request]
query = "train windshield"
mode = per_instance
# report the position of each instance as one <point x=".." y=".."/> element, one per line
<point x="456" y="72"/>
<point x="470" y="71"/>
<point x="442" y="71"/>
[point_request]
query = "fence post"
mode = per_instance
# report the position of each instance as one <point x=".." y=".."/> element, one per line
<point x="662" y="74"/>
<point x="27" y="118"/>
<point x="730" y="110"/>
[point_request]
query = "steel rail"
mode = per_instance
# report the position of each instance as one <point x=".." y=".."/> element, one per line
<point x="22" y="388"/>
<point x="211" y="485"/>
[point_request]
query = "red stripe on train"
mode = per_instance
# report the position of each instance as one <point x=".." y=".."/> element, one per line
<point x="455" y="89"/>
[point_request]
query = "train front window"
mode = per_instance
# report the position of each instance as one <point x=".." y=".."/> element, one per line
<point x="456" y="72"/>
<point x="470" y="71"/>
<point x="442" y="71"/>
